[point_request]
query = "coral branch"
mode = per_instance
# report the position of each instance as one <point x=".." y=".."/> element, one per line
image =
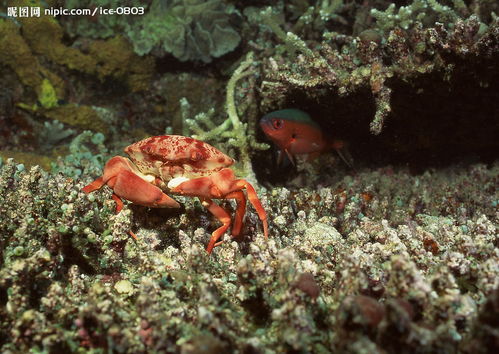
<point x="239" y="136"/>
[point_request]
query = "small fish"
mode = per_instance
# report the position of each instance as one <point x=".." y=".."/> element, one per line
<point x="295" y="133"/>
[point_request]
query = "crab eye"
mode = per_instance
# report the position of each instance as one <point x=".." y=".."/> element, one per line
<point x="277" y="123"/>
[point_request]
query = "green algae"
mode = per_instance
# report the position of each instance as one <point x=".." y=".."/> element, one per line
<point x="28" y="159"/>
<point x="189" y="30"/>
<point x="80" y="116"/>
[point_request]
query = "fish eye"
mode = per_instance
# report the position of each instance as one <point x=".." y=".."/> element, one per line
<point x="277" y="123"/>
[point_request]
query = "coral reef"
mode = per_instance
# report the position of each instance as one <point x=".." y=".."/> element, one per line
<point x="237" y="133"/>
<point x="27" y="159"/>
<point x="87" y="155"/>
<point x="349" y="267"/>
<point x="22" y="44"/>
<point x="111" y="58"/>
<point x="398" y="255"/>
<point x="421" y="11"/>
<point x="17" y="54"/>
<point x="187" y="29"/>
<point x="362" y="63"/>
<point x="83" y="117"/>
<point x="53" y="133"/>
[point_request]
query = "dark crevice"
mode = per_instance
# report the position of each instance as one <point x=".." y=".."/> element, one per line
<point x="433" y="123"/>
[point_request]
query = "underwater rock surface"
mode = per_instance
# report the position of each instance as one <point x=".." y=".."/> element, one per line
<point x="380" y="261"/>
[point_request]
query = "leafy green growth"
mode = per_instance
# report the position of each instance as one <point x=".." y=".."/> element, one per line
<point x="189" y="30"/>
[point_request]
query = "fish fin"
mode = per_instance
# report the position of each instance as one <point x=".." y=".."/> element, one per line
<point x="346" y="157"/>
<point x="284" y="160"/>
<point x="290" y="157"/>
<point x="279" y="158"/>
<point x="341" y="148"/>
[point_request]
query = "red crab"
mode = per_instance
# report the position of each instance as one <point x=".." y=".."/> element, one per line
<point x="179" y="165"/>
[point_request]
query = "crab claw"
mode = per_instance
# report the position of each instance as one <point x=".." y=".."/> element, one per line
<point x="126" y="182"/>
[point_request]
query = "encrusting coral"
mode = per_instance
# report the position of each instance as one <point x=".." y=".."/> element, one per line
<point x="374" y="255"/>
<point x="406" y="50"/>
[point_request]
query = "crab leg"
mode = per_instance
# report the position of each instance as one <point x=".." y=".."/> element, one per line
<point x="119" y="203"/>
<point x="240" y="211"/>
<point x="97" y="184"/>
<point x="253" y="198"/>
<point x="222" y="216"/>
<point x="119" y="206"/>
